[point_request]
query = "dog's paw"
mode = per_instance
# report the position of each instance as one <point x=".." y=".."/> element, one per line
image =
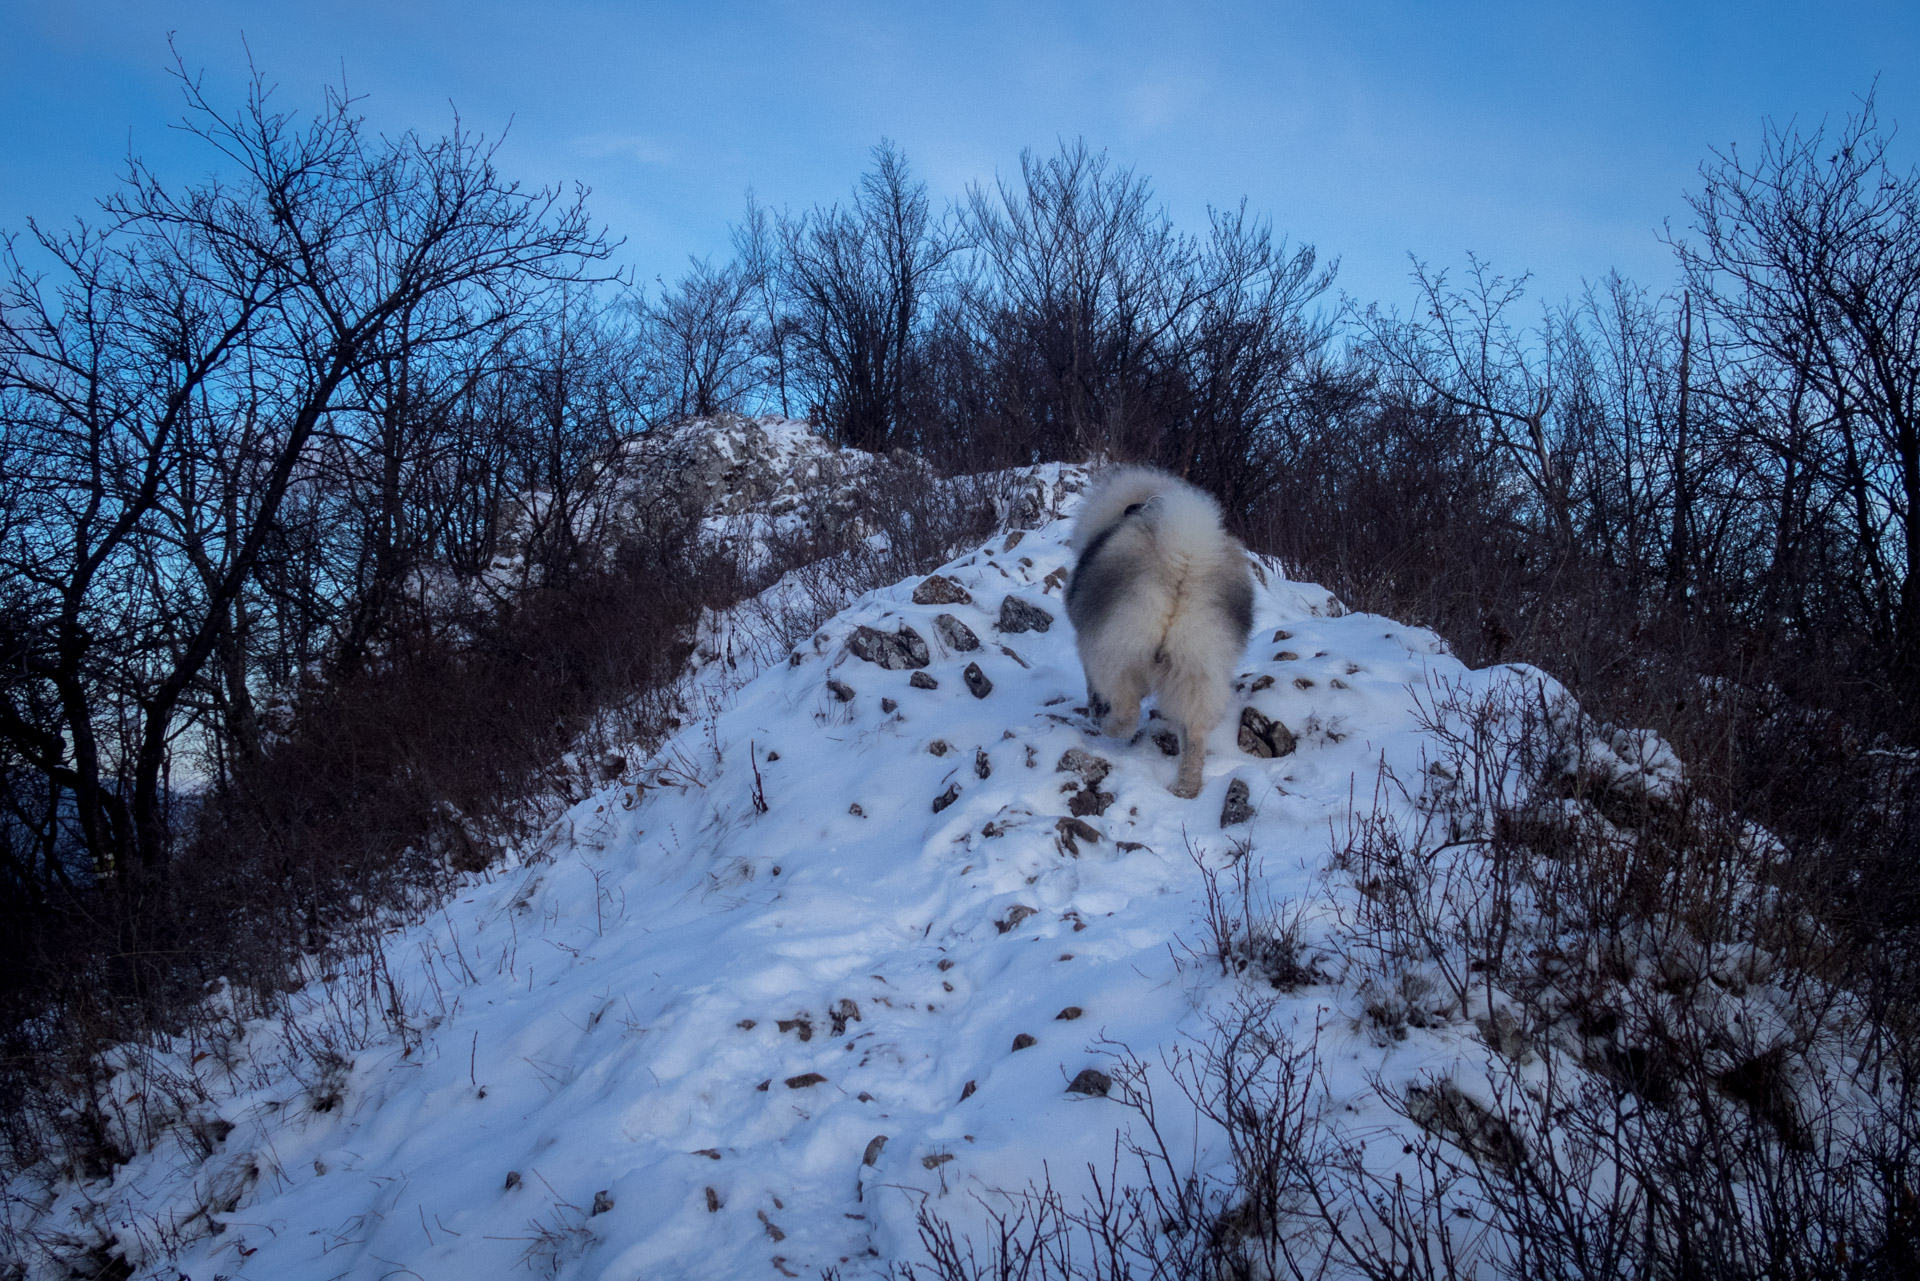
<point x="1186" y="791"/>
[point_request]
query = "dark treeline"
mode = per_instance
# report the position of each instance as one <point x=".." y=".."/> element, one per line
<point x="298" y="540"/>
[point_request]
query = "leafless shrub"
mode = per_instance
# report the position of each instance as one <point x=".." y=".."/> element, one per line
<point x="1247" y="932"/>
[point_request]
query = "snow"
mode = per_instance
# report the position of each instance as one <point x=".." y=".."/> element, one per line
<point x="663" y="1041"/>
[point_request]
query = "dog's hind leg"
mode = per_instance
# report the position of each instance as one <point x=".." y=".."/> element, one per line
<point x="1197" y="703"/>
<point x="1125" y="689"/>
<point x="1193" y="761"/>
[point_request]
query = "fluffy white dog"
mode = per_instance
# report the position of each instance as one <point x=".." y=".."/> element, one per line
<point x="1161" y="602"/>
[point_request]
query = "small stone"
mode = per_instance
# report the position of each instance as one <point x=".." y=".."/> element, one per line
<point x="1282" y="634"/>
<point x="1073" y="830"/>
<point x="966" y="1091"/>
<point x="1260" y="683"/>
<point x="1013" y="540"/>
<point x="772" y="1230"/>
<point x="1017" y="615"/>
<point x="947" y="797"/>
<point x="805" y="1081"/>
<point x="1262" y="736"/>
<point x="1285" y="656"/>
<point x="745" y="1025"/>
<point x="1301" y="682"/>
<point x="855" y="810"/>
<point x="920" y="680"/>
<point x="938" y="589"/>
<point x="1022" y="1041"/>
<point x="1167" y="741"/>
<point x="1237" y="809"/>
<point x="847" y="1010"/>
<point x="955" y="634"/>
<point x="939" y="747"/>
<point x="888" y="705"/>
<point x="977" y="681"/>
<point x="1091" y="1081"/>
<point x="1069" y="1014"/>
<point x="895" y="651"/>
<point x="875" y="1146"/>
<point x="513" y="1179"/>
<point x="840" y="689"/>
<point x="934" y="1160"/>
<point x="713" y="1202"/>
<point x="762" y="1087"/>
<point x="1089" y="802"/>
<point x="946" y="963"/>
<point x="982" y="767"/>
<point x="601" y="1203"/>
<point x="1015" y="914"/>
<point x="800" y="1022"/>
<point x="1128" y="846"/>
<point x="1091" y="769"/>
<point x="712" y="1154"/>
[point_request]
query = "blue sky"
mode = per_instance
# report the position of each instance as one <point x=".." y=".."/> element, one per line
<point x="1549" y="137"/>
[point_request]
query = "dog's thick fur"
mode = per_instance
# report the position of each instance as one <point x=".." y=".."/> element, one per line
<point x="1161" y="602"/>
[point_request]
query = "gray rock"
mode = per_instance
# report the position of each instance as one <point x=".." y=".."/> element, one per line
<point x="895" y="651"/>
<point x="938" y="589"/>
<point x="947" y="797"/>
<point x="1072" y="831"/>
<point x="1262" y="736"/>
<point x="920" y="680"/>
<point x="1089" y="801"/>
<point x="1015" y="914"/>
<point x="955" y="634"/>
<point x="977" y="681"/>
<point x="1236" y="809"/>
<point x="841" y="690"/>
<point x="1090" y="1081"/>
<point x="982" y="767"/>
<point x="1091" y="769"/>
<point x="1017" y="615"/>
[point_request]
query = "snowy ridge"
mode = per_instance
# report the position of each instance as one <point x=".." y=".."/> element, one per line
<point x="754" y="1002"/>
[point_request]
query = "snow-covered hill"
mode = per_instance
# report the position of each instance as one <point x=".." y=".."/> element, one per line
<point x="841" y="946"/>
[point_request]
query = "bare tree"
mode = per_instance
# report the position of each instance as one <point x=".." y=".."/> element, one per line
<point x="1087" y="281"/>
<point x="699" y="339"/>
<point x="1809" y="257"/>
<point x="856" y="281"/>
<point x="1464" y="350"/>
<point x="165" y="389"/>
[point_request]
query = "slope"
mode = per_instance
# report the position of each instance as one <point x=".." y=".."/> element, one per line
<point x="840" y="947"/>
